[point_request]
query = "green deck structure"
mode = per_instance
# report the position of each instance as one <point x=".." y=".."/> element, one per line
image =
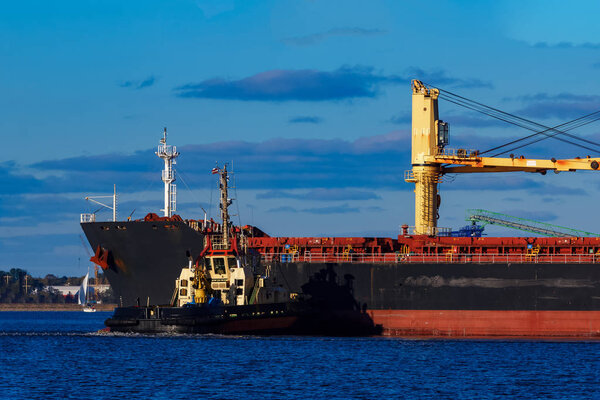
<point x="524" y="224"/>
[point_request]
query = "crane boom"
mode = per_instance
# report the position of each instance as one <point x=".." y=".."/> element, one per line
<point x="491" y="164"/>
<point x="431" y="160"/>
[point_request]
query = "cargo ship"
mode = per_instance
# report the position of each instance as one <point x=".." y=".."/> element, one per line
<point x="425" y="282"/>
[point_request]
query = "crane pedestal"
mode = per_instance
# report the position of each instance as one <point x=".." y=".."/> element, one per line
<point x="426" y="179"/>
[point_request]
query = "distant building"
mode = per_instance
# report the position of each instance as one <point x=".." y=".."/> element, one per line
<point x="74" y="290"/>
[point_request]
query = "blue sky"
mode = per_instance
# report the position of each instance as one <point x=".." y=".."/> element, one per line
<point x="310" y="99"/>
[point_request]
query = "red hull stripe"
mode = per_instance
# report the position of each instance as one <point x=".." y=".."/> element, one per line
<point x="481" y="323"/>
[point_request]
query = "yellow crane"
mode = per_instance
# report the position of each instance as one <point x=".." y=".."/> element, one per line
<point x="431" y="160"/>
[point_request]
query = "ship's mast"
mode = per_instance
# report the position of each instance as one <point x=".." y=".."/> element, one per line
<point x="225" y="202"/>
<point x="168" y="154"/>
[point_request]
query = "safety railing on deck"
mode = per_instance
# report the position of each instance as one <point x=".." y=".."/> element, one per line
<point x="454" y="258"/>
<point x="87" y="218"/>
<point x="429" y="231"/>
<point x="457" y="153"/>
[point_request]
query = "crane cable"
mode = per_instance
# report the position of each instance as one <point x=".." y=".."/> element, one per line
<point x="544" y="132"/>
<point x="553" y="135"/>
<point x="529" y="128"/>
<point x="547" y="135"/>
<point x="518" y="121"/>
<point x="466" y="100"/>
<point x="576" y="123"/>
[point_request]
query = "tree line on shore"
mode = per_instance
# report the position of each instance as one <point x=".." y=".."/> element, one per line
<point x="17" y="286"/>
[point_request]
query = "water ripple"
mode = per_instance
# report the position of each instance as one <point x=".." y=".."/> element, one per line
<point x="64" y="356"/>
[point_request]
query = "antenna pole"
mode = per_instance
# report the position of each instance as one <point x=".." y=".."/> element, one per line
<point x="92" y="217"/>
<point x="205" y="217"/>
<point x="224" y="203"/>
<point x="114" y="207"/>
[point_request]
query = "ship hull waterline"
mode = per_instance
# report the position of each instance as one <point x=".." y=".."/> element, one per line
<point x="455" y="324"/>
<point x="490" y="324"/>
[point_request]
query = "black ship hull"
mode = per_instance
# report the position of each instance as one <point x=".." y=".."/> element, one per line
<point x="144" y="258"/>
<point x="432" y="299"/>
<point x="468" y="286"/>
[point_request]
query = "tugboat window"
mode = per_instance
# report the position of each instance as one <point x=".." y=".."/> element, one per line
<point x="207" y="264"/>
<point x="219" y="264"/>
<point x="232" y="262"/>
<point x="183" y="292"/>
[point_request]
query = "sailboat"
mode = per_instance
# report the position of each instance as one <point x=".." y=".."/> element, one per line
<point x="83" y="292"/>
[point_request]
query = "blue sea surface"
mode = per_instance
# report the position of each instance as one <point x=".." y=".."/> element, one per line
<point x="49" y="355"/>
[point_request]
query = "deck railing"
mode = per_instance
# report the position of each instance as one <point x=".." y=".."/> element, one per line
<point x="453" y="258"/>
<point x="87" y="218"/>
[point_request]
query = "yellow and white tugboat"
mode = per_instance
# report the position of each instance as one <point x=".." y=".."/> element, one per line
<point x="227" y="290"/>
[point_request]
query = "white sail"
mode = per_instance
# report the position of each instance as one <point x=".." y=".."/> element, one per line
<point x="82" y="298"/>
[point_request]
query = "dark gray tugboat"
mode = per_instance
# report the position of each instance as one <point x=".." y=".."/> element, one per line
<point x="227" y="290"/>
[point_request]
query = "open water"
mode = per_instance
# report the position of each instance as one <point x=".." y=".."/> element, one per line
<point x="48" y="355"/>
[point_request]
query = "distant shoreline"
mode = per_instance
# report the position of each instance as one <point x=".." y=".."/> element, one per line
<point x="51" y="307"/>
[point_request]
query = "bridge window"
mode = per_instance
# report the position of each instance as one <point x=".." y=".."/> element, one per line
<point x="219" y="265"/>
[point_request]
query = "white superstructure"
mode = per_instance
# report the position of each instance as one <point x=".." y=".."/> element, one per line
<point x="168" y="154"/>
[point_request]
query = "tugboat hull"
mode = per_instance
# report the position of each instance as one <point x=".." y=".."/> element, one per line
<point x="264" y="319"/>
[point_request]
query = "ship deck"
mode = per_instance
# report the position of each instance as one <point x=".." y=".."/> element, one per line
<point x="454" y="258"/>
